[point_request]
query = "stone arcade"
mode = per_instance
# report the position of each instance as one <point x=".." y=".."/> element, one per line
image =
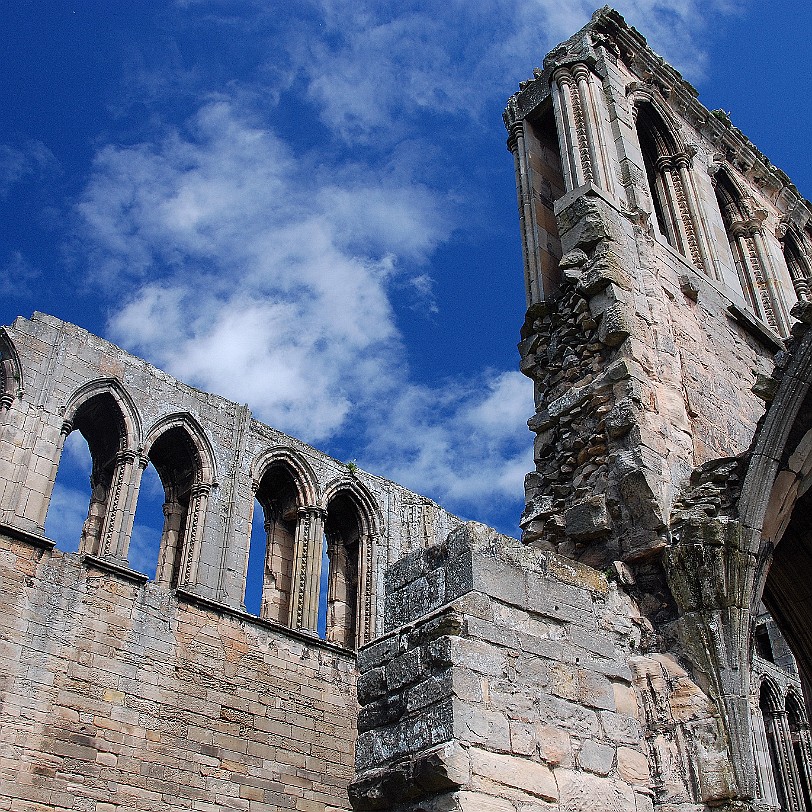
<point x="646" y="645"/>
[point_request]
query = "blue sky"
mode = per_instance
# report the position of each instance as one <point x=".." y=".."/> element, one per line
<point x="309" y="207"/>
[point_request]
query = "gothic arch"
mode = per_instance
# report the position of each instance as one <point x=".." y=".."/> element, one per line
<point x="131" y="422"/>
<point x="104" y="413"/>
<point x="185" y="421"/>
<point x="796" y="255"/>
<point x="743" y="225"/>
<point x="369" y="512"/>
<point x="300" y="470"/>
<point x="775" y="508"/>
<point x="184" y="460"/>
<point x="351" y="526"/>
<point x="287" y="492"/>
<point x="667" y="163"/>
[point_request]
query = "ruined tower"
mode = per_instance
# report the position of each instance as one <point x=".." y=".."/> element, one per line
<point x="620" y="658"/>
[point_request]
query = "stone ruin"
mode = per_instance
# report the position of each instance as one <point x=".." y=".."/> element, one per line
<point x="646" y="645"/>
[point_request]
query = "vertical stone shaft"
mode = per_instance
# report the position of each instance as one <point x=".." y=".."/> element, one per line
<point x="304" y="604"/>
<point x="788" y="772"/>
<point x="534" y="291"/>
<point x="761" y="751"/>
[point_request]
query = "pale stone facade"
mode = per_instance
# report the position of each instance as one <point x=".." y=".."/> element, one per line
<point x="624" y="655"/>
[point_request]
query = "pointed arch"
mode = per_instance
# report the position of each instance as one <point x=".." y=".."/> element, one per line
<point x="299" y="468"/>
<point x="183" y="457"/>
<point x="132" y="430"/>
<point x="188" y="424"/>
<point x="796" y="254"/>
<point x="745" y="234"/>
<point x="351" y="526"/>
<point x="105" y="415"/>
<point x="667" y="161"/>
<point x="775" y="506"/>
<point x="286" y="490"/>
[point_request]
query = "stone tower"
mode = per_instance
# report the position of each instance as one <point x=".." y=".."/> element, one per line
<point x="621" y="657"/>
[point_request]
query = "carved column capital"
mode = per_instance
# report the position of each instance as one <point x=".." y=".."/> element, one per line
<point x="562" y="76"/>
<point x="515" y="132"/>
<point x="6" y="399"/>
<point x="580" y="71"/>
<point x="67" y="427"/>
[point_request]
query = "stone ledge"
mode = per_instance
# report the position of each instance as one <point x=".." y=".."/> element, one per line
<point x="123" y="571"/>
<point x="753" y="325"/>
<point x="34" y="539"/>
<point x="187" y="596"/>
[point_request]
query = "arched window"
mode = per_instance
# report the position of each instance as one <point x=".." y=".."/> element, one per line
<point x="667" y="168"/>
<point x="349" y="533"/>
<point x="746" y="238"/>
<point x="797" y="264"/>
<point x="179" y="452"/>
<point x="278" y="498"/>
<point x="100" y="421"/>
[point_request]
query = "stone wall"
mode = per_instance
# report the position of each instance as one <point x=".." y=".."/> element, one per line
<point x="513" y="680"/>
<point x="57" y="369"/>
<point x="118" y="695"/>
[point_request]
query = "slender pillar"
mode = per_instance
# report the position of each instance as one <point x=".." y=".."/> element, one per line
<point x="307" y="547"/>
<point x="524" y="190"/>
<point x="572" y="123"/>
<point x="764" y="770"/>
<point x="126" y="475"/>
<point x="193" y="535"/>
<point x="805" y="756"/>
<point x="768" y="270"/>
<point x="365" y="611"/>
<point x="170" y="541"/>
<point x="702" y="253"/>
<point x="785" y="761"/>
<point x="592" y="125"/>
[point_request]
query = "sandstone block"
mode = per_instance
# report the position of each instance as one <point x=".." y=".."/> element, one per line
<point x="632" y="765"/>
<point x="588" y="520"/>
<point x="596" y="758"/>
<point x="513" y="771"/>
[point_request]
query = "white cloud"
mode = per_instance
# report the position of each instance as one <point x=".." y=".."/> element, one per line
<point x="18" y="164"/>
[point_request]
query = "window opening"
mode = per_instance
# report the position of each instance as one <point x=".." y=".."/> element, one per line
<point x="270" y="558"/>
<point x="68" y="508"/>
<point x="145" y="541"/>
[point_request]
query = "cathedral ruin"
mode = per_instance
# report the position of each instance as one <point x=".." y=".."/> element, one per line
<point x="647" y="643"/>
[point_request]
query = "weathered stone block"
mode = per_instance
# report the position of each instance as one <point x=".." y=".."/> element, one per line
<point x="588" y="520"/>
<point x="524" y="774"/>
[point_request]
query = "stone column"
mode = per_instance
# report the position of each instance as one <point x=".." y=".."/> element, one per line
<point x="131" y="501"/>
<point x="788" y="777"/>
<point x="768" y="270"/>
<point x="702" y="255"/>
<point x="340" y="627"/>
<point x="365" y="607"/>
<point x="805" y="756"/>
<point x="170" y="541"/>
<point x="195" y="518"/>
<point x="524" y="191"/>
<point x="306" y="576"/>
<point x="746" y="276"/>
<point x="572" y="134"/>
<point x="126" y="475"/>
<point x="761" y="750"/>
